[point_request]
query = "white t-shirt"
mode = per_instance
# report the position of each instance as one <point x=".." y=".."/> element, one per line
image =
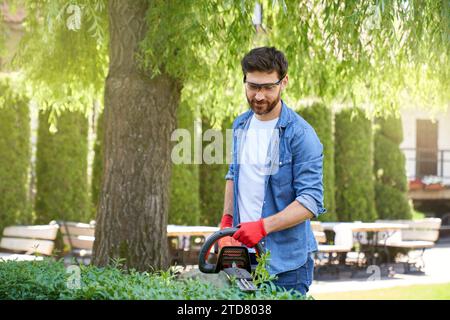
<point x="252" y="169"/>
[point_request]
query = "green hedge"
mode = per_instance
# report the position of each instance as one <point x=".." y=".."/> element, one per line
<point x="390" y="127"/>
<point x="389" y="168"/>
<point x="197" y="190"/>
<point x="184" y="208"/>
<point x="97" y="167"/>
<point x="61" y="169"/>
<point x="320" y="117"/>
<point x="47" y="280"/>
<point x="212" y="182"/>
<point x="355" y="191"/>
<point x="392" y="203"/>
<point x="14" y="156"/>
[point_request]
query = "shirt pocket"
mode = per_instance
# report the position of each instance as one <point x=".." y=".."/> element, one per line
<point x="283" y="176"/>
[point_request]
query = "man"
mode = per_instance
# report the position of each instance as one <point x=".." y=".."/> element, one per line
<point x="274" y="183"/>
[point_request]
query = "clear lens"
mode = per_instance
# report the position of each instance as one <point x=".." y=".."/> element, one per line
<point x="265" y="88"/>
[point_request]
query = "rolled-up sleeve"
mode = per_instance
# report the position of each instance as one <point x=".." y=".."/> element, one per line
<point x="230" y="173"/>
<point x="307" y="157"/>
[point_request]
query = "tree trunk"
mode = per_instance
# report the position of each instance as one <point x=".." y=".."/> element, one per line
<point x="140" y="115"/>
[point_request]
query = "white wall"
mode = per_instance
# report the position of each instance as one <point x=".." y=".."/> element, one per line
<point x="444" y="143"/>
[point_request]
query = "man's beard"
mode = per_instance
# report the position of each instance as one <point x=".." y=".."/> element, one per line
<point x="264" y="106"/>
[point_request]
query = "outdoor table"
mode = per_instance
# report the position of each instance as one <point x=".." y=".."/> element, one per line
<point x="373" y="230"/>
<point x="329" y="226"/>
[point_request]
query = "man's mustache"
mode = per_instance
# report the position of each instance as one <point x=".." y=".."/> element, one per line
<point x="259" y="102"/>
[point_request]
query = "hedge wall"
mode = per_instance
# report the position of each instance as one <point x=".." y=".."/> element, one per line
<point x="212" y="182"/>
<point x="97" y="167"/>
<point x="355" y="191"/>
<point x="320" y="117"/>
<point x="61" y="169"/>
<point x="389" y="168"/>
<point x="197" y="190"/>
<point x="14" y="156"/>
<point x="184" y="206"/>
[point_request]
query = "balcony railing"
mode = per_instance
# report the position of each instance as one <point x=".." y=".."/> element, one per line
<point x="427" y="162"/>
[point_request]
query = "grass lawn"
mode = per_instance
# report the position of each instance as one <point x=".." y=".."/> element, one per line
<point x="418" y="292"/>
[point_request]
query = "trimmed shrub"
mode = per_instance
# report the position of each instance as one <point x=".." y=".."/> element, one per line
<point x="355" y="191"/>
<point x="320" y="117"/>
<point x="61" y="169"/>
<point x="48" y="280"/>
<point x="389" y="168"/>
<point x="184" y="208"/>
<point x="14" y="156"/>
<point x="212" y="182"/>
<point x="391" y="203"/>
<point x="97" y="167"/>
<point x="391" y="128"/>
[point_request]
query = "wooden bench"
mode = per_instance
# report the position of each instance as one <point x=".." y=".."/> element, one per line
<point x="79" y="238"/>
<point x="28" y="243"/>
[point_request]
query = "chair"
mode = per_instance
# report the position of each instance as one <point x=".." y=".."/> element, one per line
<point x="28" y="242"/>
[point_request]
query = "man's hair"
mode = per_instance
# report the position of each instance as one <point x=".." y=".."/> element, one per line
<point x="265" y="59"/>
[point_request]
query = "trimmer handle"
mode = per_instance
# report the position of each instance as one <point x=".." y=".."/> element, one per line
<point x="206" y="267"/>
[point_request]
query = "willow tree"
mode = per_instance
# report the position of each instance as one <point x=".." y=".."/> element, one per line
<point x="2" y="38"/>
<point x="150" y="48"/>
<point x="372" y="54"/>
<point x="148" y="55"/>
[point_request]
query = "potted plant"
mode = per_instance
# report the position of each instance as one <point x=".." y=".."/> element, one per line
<point x="434" y="186"/>
<point x="416" y="184"/>
<point x="433" y="183"/>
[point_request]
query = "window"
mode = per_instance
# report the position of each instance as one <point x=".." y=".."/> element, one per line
<point x="426" y="148"/>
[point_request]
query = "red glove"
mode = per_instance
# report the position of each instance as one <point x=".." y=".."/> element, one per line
<point x="227" y="222"/>
<point x="250" y="233"/>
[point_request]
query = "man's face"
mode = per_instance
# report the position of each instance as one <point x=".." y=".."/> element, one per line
<point x="263" y="100"/>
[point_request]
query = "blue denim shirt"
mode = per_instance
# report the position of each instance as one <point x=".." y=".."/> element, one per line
<point x="295" y="159"/>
